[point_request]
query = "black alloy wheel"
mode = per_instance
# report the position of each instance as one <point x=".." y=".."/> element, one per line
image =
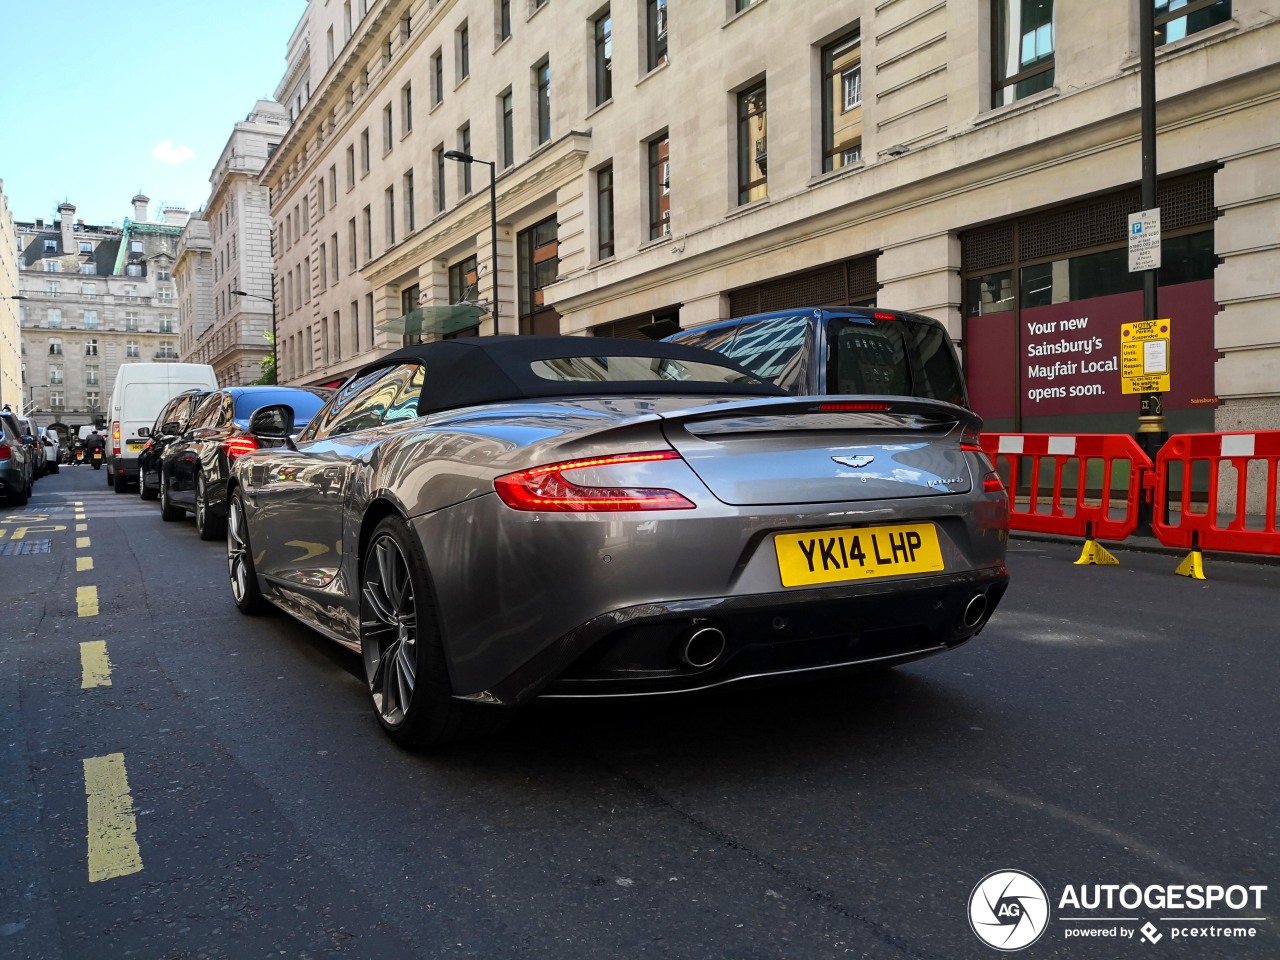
<point x="168" y="511"/>
<point x="403" y="654"/>
<point x="245" y="589"/>
<point x="210" y="524"/>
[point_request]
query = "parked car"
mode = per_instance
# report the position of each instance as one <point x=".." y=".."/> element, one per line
<point x="16" y="472"/>
<point x="31" y="439"/>
<point x="168" y="427"/>
<point x="840" y="350"/>
<point x="493" y="520"/>
<point x="140" y="391"/>
<point x="195" y="467"/>
<point x="53" y="450"/>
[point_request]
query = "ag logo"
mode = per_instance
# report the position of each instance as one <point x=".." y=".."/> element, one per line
<point x="1008" y="910"/>
<point x="855" y="462"/>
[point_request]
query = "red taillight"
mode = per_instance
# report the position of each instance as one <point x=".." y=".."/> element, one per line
<point x="991" y="483"/>
<point x="548" y="489"/>
<point x="115" y="437"/>
<point x="857" y="407"/>
<point x="971" y="440"/>
<point x="6" y="451"/>
<point x="884" y="316"/>
<point x="237" y="447"/>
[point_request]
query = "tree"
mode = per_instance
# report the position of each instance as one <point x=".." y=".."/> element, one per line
<point x="268" y="362"/>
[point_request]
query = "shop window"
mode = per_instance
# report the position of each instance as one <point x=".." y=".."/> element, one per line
<point x="539" y="263"/>
<point x="1021" y="49"/>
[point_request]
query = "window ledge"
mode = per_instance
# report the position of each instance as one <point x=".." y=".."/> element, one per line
<point x="458" y="86"/>
<point x="739" y="14"/>
<point x="502" y="43"/>
<point x="1170" y="50"/>
<point x="436" y="106"/>
<point x="537" y="10"/>
<point x="1018" y="106"/>
<point x="847" y="170"/>
<point x="597" y="108"/>
<point x="656" y="242"/>
<point x="613" y="259"/>
<point x="748" y="207"/>
<point x="405" y="134"/>
<point x="655" y="71"/>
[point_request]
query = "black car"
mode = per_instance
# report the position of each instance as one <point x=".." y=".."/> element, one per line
<point x="195" y="466"/>
<point x="168" y="428"/>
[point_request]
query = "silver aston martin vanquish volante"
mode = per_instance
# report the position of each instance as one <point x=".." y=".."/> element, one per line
<point x="490" y="521"/>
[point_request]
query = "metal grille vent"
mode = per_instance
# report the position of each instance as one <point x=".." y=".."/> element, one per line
<point x="987" y="247"/>
<point x="848" y="281"/>
<point x="862" y="279"/>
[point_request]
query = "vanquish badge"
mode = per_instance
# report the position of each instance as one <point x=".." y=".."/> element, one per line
<point x="854" y="462"/>
<point x="1008" y="910"/>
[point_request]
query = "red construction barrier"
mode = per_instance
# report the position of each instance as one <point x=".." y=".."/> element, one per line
<point x="1045" y="501"/>
<point x="1205" y="525"/>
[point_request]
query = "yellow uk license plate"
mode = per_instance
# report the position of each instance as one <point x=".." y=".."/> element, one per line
<point x="135" y="444"/>
<point x="861" y="553"/>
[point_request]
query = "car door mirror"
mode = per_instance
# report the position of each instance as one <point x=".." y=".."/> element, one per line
<point x="273" y="423"/>
<point x="144" y="431"/>
<point x="173" y="426"/>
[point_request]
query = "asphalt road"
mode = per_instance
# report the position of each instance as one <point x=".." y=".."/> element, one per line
<point x="1111" y="726"/>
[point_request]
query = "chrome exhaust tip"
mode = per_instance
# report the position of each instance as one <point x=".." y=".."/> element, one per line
<point x="701" y="647"/>
<point x="974" y="611"/>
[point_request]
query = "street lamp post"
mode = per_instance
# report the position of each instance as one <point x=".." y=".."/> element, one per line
<point x="275" y="347"/>
<point x="461" y="157"/>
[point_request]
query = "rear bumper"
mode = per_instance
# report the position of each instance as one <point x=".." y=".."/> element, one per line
<point x="125" y="466"/>
<point x="634" y="651"/>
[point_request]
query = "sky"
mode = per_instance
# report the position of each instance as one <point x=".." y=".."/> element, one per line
<point x="104" y="98"/>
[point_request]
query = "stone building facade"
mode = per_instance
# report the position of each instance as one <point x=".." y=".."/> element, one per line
<point x="96" y="297"/>
<point x="193" y="282"/>
<point x="237" y="226"/>
<point x="971" y="161"/>
<point x="10" y="330"/>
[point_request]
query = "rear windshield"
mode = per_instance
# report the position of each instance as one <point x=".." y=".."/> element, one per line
<point x="898" y="357"/>
<point x="305" y="403"/>
<point x="636" y="370"/>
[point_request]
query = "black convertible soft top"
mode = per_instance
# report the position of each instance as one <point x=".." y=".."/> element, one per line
<point x="476" y="370"/>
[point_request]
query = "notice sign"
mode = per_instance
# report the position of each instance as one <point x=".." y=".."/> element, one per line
<point x="1144" y="356"/>
<point x="1144" y="240"/>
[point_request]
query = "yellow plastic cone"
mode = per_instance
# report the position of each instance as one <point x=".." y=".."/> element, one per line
<point x="1096" y="553"/>
<point x="1192" y="565"/>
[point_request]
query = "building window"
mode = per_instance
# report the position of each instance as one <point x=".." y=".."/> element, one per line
<point x="538" y="250"/>
<point x="390" y="195"/>
<point x="346" y="21"/>
<point x="604" y="211"/>
<point x="166" y="276"/>
<point x="388" y="132"/>
<point x="351" y="167"/>
<point x="333" y="196"/>
<point x="437" y="78"/>
<point x="91" y="347"/>
<point x="86" y="247"/>
<point x="166" y="324"/>
<point x="740" y="5"/>
<point x="55" y="318"/>
<point x="91" y="319"/>
<point x="367" y="213"/>
<point x="462" y="281"/>
<point x="1021" y="49"/>
<point x="92" y="399"/>
<point x="508" y="129"/>
<point x="504" y="19"/>
<point x="753" y="147"/>
<point x="135" y="246"/>
<point x="364" y="150"/>
<point x="406" y="108"/>
<point x="842" y="102"/>
<point x="51" y="246"/>
<point x="55" y="375"/>
<point x="53" y="266"/>
<point x="55" y="346"/>
<point x="464" y="144"/>
<point x="438" y="156"/>
<point x="56" y="400"/>
<point x="464" y="52"/>
<point x="604" y="58"/>
<point x="542" y="81"/>
<point x="131" y="321"/>
<point x="131" y="349"/>
<point x="89" y="268"/>
<point x="351" y="246"/>
<point x="133" y="270"/>
<point x="407" y="189"/>
<point x="355" y="326"/>
<point x="656" y="26"/>
<point x="1176" y="19"/>
<point x="53" y="287"/>
<point x="324" y="267"/>
<point x="328" y="47"/>
<point x="320" y="197"/>
<point x="166" y="351"/>
<point x="91" y="375"/>
<point x="660" y="187"/>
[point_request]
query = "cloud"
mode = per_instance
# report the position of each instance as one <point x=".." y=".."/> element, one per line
<point x="173" y="154"/>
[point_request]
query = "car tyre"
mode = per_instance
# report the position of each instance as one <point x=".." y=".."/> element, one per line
<point x="210" y="524"/>
<point x="144" y="491"/>
<point x="20" y="499"/>
<point x="167" y="509"/>
<point x="246" y="591"/>
<point x="402" y="650"/>
<point x="54" y="468"/>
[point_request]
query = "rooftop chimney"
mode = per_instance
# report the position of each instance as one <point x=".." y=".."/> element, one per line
<point x="66" y="211"/>
<point x="176" y="216"/>
<point x="140" y="208"/>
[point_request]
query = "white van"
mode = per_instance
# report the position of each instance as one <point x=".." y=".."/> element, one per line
<point x="140" y="391"/>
